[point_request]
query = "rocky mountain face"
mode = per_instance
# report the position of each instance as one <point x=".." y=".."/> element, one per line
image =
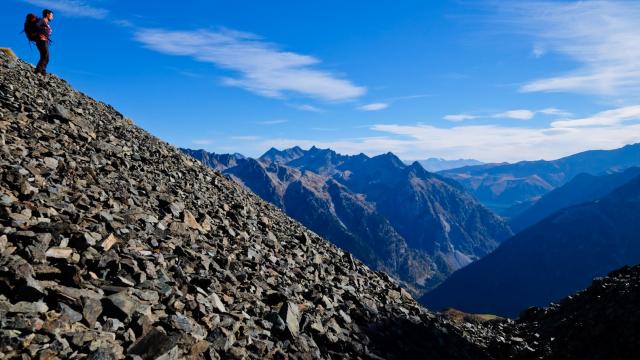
<point x="582" y="188"/>
<point x="416" y="226"/>
<point x="509" y="189"/>
<point x="551" y="259"/>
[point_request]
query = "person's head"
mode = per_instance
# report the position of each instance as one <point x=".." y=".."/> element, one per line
<point x="47" y="14"/>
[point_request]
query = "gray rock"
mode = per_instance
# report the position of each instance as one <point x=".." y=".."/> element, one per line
<point x="121" y="305"/>
<point x="217" y="303"/>
<point x="91" y="310"/>
<point x="155" y="343"/>
<point x="59" y="253"/>
<point x="291" y="315"/>
<point x="60" y="112"/>
<point x="26" y="307"/>
<point x="68" y="314"/>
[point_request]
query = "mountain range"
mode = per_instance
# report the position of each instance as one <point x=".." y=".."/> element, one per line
<point x="553" y="258"/>
<point x="509" y="189"/>
<point x="413" y="224"/>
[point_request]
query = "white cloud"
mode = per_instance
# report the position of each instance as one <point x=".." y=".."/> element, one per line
<point x="520" y="114"/>
<point x="307" y="107"/>
<point x="605" y="118"/>
<point x="262" y="68"/>
<point x="272" y="122"/>
<point x="381" y="105"/>
<point x="516" y="114"/>
<point x="555" y="112"/>
<point x="498" y="143"/>
<point x="459" y="117"/>
<point x="538" y="50"/>
<point x="491" y="143"/>
<point x="71" y="8"/>
<point x="601" y="36"/>
<point x="373" y="107"/>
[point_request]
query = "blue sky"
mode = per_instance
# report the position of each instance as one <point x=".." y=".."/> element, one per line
<point x="452" y="79"/>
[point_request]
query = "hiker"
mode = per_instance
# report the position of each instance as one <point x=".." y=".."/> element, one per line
<point x="43" y="40"/>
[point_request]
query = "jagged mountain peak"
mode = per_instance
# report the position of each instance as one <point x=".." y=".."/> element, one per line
<point x="418" y="169"/>
<point x="388" y="158"/>
<point x="282" y="156"/>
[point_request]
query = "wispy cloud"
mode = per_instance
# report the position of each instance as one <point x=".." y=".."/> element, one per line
<point x="202" y="141"/>
<point x="272" y="122"/>
<point x="604" y="118"/>
<point x="373" y="107"/>
<point x="383" y="104"/>
<point x="492" y="143"/>
<point x="538" y="50"/>
<point x="501" y="143"/>
<point x="261" y="67"/>
<point x="518" y="114"/>
<point x="459" y="117"/>
<point x="307" y="107"/>
<point x="555" y="112"/>
<point x="71" y="8"/>
<point x="601" y="36"/>
<point x="521" y="114"/>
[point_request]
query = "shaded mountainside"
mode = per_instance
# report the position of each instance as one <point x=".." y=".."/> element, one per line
<point x="510" y="189"/>
<point x="582" y="188"/>
<point x="414" y="225"/>
<point x="551" y="259"/>
<point x="600" y="322"/>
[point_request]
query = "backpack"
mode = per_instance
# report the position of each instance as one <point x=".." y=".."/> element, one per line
<point x="31" y="28"/>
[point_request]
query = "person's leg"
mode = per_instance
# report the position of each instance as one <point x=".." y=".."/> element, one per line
<point x="43" y="48"/>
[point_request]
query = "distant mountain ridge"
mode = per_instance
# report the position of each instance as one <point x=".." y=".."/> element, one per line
<point x="440" y="164"/>
<point x="582" y="188"/>
<point x="415" y="225"/>
<point x="509" y="189"/>
<point x="550" y="259"/>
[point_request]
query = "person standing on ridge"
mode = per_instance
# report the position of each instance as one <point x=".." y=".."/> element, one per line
<point x="43" y="41"/>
